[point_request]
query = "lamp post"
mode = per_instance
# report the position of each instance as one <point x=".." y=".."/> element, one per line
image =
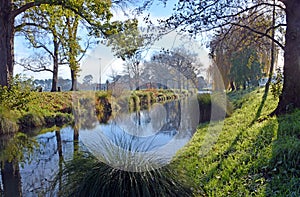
<point x="99" y="88"/>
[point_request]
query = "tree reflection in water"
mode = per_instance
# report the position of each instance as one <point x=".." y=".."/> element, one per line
<point x="128" y="155"/>
<point x="143" y="139"/>
<point x="62" y="153"/>
<point x="15" y="150"/>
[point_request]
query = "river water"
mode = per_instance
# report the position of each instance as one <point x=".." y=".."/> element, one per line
<point x="127" y="141"/>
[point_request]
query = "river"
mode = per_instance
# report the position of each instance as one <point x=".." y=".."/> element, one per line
<point x="127" y="141"/>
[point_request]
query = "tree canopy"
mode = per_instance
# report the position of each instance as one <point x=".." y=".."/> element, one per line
<point x="196" y="17"/>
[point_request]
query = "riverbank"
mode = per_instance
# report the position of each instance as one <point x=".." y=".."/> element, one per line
<point x="47" y="109"/>
<point x="255" y="155"/>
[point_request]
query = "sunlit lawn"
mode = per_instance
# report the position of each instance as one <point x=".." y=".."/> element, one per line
<point x="255" y="155"/>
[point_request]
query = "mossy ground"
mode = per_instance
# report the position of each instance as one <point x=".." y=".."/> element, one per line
<point x="255" y="155"/>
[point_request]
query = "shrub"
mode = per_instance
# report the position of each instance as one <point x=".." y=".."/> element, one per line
<point x="31" y="120"/>
<point x="17" y="95"/>
<point x="205" y="107"/>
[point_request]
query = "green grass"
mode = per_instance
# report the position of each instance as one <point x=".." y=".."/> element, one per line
<point x="46" y="109"/>
<point x="253" y="156"/>
<point x="85" y="175"/>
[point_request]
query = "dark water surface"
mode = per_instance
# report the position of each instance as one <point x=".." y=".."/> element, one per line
<point x="30" y="164"/>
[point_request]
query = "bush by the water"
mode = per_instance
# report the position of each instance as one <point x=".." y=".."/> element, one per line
<point x="17" y="95"/>
<point x="219" y="103"/>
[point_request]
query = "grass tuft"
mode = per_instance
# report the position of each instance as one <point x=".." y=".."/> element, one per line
<point x="87" y="176"/>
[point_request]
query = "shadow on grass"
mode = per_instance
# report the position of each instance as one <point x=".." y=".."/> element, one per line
<point x="263" y="163"/>
<point x="238" y="173"/>
<point x="283" y="172"/>
<point x="264" y="98"/>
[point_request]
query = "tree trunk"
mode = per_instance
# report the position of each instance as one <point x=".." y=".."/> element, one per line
<point x="61" y="158"/>
<point x="11" y="179"/>
<point x="6" y="42"/>
<point x="74" y="80"/>
<point x="290" y="97"/>
<point x="76" y="139"/>
<point x="73" y="51"/>
<point x="54" y="76"/>
<point x="55" y="66"/>
<point x="272" y="53"/>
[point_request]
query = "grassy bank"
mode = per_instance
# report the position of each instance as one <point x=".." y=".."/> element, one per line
<point x="46" y="109"/>
<point x="28" y="110"/>
<point x="255" y="155"/>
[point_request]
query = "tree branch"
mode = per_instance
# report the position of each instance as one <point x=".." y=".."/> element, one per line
<point x="20" y="26"/>
<point x="260" y="33"/>
<point x="44" y="47"/>
<point x="29" y="67"/>
<point x="25" y="7"/>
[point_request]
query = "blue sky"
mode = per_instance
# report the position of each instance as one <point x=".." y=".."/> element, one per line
<point x="91" y="62"/>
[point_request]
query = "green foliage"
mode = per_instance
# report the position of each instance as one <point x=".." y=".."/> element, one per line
<point x="87" y="176"/>
<point x="215" y="100"/>
<point x="51" y="102"/>
<point x="13" y="100"/>
<point x="8" y="123"/>
<point x="19" y="148"/>
<point x="245" y="68"/>
<point x="58" y="22"/>
<point x="249" y="159"/>
<point x="276" y="88"/>
<point x="126" y="43"/>
<point x="33" y="109"/>
<point x="17" y="95"/>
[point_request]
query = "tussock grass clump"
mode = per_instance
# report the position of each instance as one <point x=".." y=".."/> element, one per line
<point x="87" y="176"/>
<point x="7" y="125"/>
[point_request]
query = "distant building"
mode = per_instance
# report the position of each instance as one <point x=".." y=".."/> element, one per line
<point x="101" y="86"/>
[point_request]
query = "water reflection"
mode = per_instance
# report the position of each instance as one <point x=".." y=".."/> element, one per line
<point x="146" y="130"/>
<point x="143" y="138"/>
<point x="38" y="167"/>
